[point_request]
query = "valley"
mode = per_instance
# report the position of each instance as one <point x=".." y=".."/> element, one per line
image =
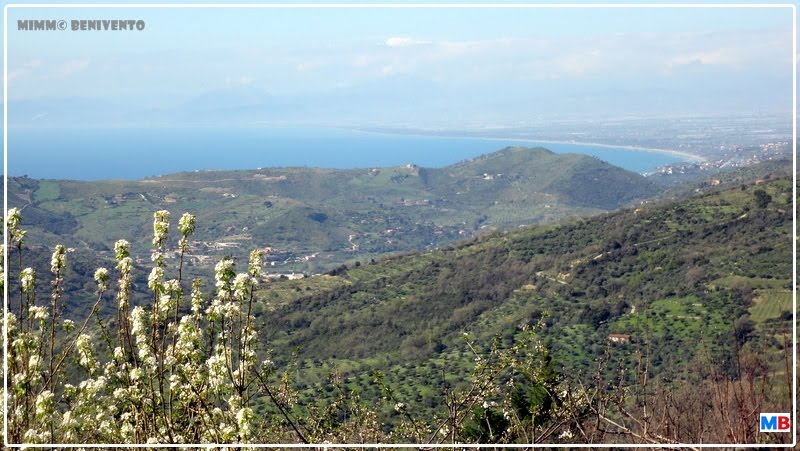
<point x="388" y="286"/>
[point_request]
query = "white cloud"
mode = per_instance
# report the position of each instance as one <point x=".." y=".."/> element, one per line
<point x="605" y="57"/>
<point x="398" y="41"/>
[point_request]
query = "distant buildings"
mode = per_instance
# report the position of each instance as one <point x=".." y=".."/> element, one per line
<point x="619" y="338"/>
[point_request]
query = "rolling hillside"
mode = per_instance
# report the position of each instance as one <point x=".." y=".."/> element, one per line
<point x="690" y="288"/>
<point x="685" y="282"/>
<point x="315" y="219"/>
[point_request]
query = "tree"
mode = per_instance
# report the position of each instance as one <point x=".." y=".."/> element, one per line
<point x="762" y="198"/>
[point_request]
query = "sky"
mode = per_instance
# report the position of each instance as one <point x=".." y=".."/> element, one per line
<point x="398" y="65"/>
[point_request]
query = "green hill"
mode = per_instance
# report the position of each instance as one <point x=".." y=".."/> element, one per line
<point x="316" y="219"/>
<point x="522" y="175"/>
<point x="677" y="279"/>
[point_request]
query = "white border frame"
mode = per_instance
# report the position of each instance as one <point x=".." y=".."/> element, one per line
<point x="791" y="6"/>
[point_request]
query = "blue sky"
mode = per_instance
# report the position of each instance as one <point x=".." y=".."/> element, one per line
<point x="406" y="65"/>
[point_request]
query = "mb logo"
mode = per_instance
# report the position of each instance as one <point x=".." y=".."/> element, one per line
<point x="775" y="422"/>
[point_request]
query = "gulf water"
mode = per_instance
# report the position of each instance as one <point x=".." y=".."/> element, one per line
<point x="124" y="153"/>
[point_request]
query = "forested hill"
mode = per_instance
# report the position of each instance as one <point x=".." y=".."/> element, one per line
<point x="314" y="218"/>
<point x="700" y="276"/>
<point x="519" y="174"/>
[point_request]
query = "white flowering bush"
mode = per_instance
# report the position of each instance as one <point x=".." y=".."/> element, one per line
<point x="185" y="367"/>
<point x="158" y="375"/>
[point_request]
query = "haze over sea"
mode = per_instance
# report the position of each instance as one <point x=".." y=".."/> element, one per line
<point x="95" y="154"/>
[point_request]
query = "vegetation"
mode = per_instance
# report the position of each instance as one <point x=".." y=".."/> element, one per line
<point x="173" y="373"/>
<point x="675" y="272"/>
<point x="316" y="219"/>
<point x="504" y="338"/>
<point x="679" y="281"/>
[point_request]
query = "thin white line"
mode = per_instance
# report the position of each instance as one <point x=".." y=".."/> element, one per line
<point x="794" y="226"/>
<point x="409" y="5"/>
<point x="6" y="310"/>
<point x="386" y="6"/>
<point x="391" y="445"/>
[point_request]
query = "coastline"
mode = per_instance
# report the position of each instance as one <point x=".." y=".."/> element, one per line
<point x="678" y="153"/>
<point x="690" y="156"/>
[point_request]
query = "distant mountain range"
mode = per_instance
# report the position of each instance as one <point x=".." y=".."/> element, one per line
<point x="388" y="101"/>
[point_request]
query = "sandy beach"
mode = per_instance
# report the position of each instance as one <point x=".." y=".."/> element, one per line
<point x="678" y="153"/>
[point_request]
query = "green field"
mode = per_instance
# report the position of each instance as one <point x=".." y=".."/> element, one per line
<point x="770" y="304"/>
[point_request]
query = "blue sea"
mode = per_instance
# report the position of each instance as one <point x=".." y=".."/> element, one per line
<point x="95" y="154"/>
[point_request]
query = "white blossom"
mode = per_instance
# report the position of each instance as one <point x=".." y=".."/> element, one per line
<point x="120" y="393"/>
<point x="44" y="403"/>
<point x="243" y="417"/>
<point x="86" y="358"/>
<point x="186" y="224"/>
<point x="67" y="421"/>
<point x="254" y="264"/>
<point x="215" y="310"/>
<point x="217" y="372"/>
<point x="172" y="286"/>
<point x="11" y="322"/>
<point x="38" y="312"/>
<point x="197" y="297"/>
<point x="139" y="332"/>
<point x="189" y="339"/>
<point x="121" y="249"/>
<point x="58" y="259"/>
<point x="241" y="284"/>
<point x="15" y="233"/>
<point x="160" y="226"/>
<point x="101" y="277"/>
<point x="174" y="382"/>
<point x="135" y="374"/>
<point x="68" y="325"/>
<point x="154" y="280"/>
<point x="223" y="272"/>
<point x="28" y="279"/>
<point x="165" y="305"/>
<point x="125" y="265"/>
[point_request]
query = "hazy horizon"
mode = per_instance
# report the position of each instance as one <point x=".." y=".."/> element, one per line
<point x="407" y="66"/>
